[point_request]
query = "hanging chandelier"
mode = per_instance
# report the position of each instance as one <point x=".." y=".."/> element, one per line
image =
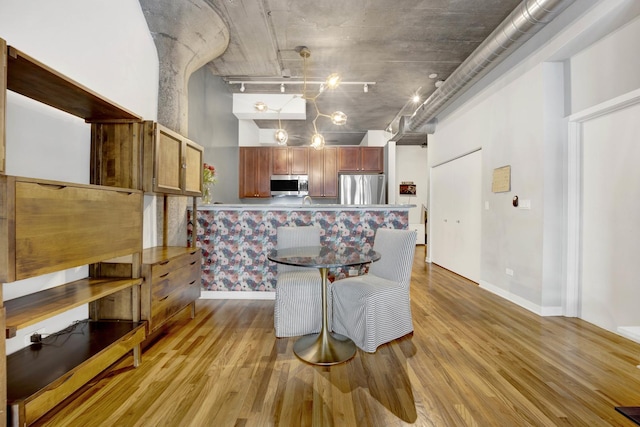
<point x="337" y="118"/>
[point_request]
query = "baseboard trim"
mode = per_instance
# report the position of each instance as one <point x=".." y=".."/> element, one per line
<point x="518" y="300"/>
<point x="237" y="295"/>
<point x="630" y="332"/>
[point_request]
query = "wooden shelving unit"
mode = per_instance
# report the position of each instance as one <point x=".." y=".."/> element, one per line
<point x="33" y="79"/>
<point x="33" y="308"/>
<point x="41" y="376"/>
<point x="48" y="226"/>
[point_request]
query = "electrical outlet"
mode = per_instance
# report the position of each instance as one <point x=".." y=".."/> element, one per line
<point x="27" y="337"/>
<point x="509" y="272"/>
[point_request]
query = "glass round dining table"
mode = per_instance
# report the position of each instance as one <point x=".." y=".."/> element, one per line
<point x="324" y="348"/>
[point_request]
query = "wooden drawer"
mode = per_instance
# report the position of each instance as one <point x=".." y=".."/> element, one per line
<point x="162" y="268"/>
<point x="163" y="309"/>
<point x="174" y="280"/>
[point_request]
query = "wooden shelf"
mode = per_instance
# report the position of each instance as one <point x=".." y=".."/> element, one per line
<point x="35" y="80"/>
<point x="41" y="376"/>
<point x="36" y="307"/>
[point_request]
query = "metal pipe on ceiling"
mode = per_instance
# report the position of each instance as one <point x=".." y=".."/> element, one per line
<point x="521" y="24"/>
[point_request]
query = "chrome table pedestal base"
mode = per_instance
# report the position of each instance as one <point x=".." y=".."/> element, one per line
<point x="324" y="348"/>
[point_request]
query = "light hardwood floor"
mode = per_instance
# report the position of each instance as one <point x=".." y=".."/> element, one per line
<point x="473" y="360"/>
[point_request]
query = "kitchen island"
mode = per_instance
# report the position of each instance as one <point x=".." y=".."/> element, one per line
<point x="236" y="238"/>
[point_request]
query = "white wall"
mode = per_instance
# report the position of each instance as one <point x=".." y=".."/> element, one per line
<point x="511" y="238"/>
<point x="592" y="70"/>
<point x="518" y="119"/>
<point x="611" y="208"/>
<point x="78" y="39"/>
<point x="412" y="165"/>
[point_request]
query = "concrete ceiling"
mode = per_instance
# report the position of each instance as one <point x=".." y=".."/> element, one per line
<point x="397" y="45"/>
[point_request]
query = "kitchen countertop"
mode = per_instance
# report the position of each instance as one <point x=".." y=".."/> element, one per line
<point x="312" y="207"/>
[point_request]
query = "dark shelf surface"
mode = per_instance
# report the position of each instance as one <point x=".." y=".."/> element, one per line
<point x="35" y="367"/>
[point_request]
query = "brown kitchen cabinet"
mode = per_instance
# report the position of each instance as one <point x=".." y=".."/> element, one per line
<point x="290" y="160"/>
<point x="323" y="172"/>
<point x="255" y="172"/>
<point x="361" y="159"/>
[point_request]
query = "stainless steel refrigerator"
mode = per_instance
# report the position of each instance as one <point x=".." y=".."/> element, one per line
<point x="365" y="189"/>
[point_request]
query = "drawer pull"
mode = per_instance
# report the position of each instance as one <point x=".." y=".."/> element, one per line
<point x="191" y="283"/>
<point x="162" y="299"/>
<point x="193" y="253"/>
<point x="163" y="262"/>
<point x="164" y="275"/>
<point x="128" y="193"/>
<point x="55" y="186"/>
<point x="193" y="263"/>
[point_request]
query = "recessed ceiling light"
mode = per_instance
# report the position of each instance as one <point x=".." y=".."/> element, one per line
<point x="415" y="98"/>
<point x="433" y="75"/>
<point x="439" y="83"/>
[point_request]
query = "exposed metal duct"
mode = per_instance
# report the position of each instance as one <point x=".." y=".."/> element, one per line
<point x="521" y="24"/>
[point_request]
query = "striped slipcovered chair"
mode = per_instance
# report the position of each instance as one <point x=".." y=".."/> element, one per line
<point x="375" y="308"/>
<point x="298" y="307"/>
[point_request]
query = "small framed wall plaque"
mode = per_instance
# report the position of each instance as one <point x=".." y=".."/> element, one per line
<point x="407" y="189"/>
<point x="501" y="180"/>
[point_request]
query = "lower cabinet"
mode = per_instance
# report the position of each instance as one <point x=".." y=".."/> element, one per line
<point x="172" y="282"/>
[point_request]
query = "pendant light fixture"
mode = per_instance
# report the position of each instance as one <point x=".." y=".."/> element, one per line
<point x="338" y="118"/>
<point x="333" y="81"/>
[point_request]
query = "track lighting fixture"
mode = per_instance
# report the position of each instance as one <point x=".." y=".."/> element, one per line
<point x="242" y="87"/>
<point x="365" y="88"/>
<point x="282" y="87"/>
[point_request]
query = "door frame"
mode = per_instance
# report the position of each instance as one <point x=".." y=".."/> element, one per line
<point x="574" y="193"/>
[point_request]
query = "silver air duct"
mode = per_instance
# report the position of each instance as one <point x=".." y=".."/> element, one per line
<point x="521" y="24"/>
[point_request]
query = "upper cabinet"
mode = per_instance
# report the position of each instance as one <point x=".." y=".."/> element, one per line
<point x="172" y="163"/>
<point x="290" y="160"/>
<point x="361" y="159"/>
<point x="255" y="172"/>
<point x="323" y="172"/>
<point x="146" y="156"/>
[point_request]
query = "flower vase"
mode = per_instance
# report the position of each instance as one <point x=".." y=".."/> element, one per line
<point x="206" y="194"/>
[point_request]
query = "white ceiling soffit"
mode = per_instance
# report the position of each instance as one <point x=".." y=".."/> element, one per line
<point x="286" y="107"/>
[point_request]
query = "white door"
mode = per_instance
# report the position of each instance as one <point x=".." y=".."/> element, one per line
<point x="609" y="291"/>
<point x="455" y="215"/>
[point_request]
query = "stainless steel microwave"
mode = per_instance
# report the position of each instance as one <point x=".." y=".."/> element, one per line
<point x="289" y="185"/>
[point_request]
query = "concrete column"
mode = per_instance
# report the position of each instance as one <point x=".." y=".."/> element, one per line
<point x="187" y="35"/>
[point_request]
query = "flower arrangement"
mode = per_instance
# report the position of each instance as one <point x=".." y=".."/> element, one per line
<point x="208" y="179"/>
<point x="208" y="174"/>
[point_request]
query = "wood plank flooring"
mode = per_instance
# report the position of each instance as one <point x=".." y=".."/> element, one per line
<point x="474" y="360"/>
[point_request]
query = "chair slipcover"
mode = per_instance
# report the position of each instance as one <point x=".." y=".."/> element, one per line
<point x="375" y="308"/>
<point x="298" y="306"/>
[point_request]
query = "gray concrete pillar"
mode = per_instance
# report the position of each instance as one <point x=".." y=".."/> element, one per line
<point x="187" y="35"/>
